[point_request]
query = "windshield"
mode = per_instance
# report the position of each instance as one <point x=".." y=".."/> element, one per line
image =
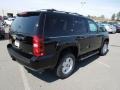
<point x="26" y="25"/>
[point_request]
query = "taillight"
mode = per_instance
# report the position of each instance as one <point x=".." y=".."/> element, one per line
<point x="38" y="46"/>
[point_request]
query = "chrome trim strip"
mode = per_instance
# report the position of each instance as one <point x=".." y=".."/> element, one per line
<point x="89" y="55"/>
<point x="44" y="25"/>
<point x="64" y="36"/>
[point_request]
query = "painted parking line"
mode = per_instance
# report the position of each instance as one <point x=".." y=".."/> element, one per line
<point x="24" y="78"/>
<point x="104" y="64"/>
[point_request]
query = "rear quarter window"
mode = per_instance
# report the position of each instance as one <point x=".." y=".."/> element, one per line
<point x="58" y="25"/>
<point x="79" y="25"/>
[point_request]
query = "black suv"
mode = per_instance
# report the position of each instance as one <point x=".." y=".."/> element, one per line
<point x="51" y="39"/>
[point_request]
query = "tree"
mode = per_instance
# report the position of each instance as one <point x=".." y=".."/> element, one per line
<point x="118" y="16"/>
<point x="113" y="17"/>
<point x="102" y="16"/>
<point x="89" y="16"/>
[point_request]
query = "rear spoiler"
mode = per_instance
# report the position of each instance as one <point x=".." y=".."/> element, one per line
<point x="28" y="14"/>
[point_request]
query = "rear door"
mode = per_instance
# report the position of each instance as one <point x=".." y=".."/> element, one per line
<point x="58" y="32"/>
<point x="94" y="35"/>
<point x="23" y="28"/>
<point x="81" y="30"/>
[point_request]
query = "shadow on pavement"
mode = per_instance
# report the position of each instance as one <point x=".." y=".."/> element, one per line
<point x="49" y="75"/>
<point x="86" y="62"/>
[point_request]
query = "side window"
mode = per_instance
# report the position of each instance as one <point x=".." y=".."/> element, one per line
<point x="58" y="25"/>
<point x="79" y="25"/>
<point x="92" y="26"/>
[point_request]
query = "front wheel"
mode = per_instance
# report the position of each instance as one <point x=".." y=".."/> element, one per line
<point x="66" y="66"/>
<point x="104" y="49"/>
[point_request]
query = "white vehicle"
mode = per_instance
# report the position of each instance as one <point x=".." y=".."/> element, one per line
<point x="9" y="21"/>
<point x="110" y="28"/>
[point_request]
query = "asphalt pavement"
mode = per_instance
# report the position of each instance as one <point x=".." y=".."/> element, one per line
<point x="95" y="73"/>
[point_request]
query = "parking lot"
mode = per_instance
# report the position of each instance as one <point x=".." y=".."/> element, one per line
<point x="95" y="73"/>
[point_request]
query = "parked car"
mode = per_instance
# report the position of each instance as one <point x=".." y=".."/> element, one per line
<point x="9" y="21"/>
<point x="113" y="28"/>
<point x="102" y="27"/>
<point x="117" y="28"/>
<point x="52" y="39"/>
<point x="110" y="28"/>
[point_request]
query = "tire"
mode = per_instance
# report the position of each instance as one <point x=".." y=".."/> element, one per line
<point x="104" y="49"/>
<point x="66" y="66"/>
<point x="28" y="70"/>
<point x="3" y="37"/>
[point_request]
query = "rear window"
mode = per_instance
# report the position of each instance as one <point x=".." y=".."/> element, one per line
<point x="25" y="24"/>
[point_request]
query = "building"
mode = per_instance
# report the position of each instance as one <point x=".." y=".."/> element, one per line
<point x="5" y="12"/>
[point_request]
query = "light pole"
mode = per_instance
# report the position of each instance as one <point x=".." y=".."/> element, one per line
<point x="2" y="12"/>
<point x="82" y="3"/>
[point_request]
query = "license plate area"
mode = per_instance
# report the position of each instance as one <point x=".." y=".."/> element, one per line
<point x="17" y="43"/>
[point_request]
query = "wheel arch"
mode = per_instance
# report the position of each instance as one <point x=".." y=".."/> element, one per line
<point x="63" y="51"/>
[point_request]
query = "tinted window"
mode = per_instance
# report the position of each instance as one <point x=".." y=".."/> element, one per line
<point x="79" y="25"/>
<point x="25" y="25"/>
<point x="58" y="25"/>
<point x="92" y="26"/>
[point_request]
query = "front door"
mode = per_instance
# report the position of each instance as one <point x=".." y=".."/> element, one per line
<point x="82" y="38"/>
<point x="94" y="35"/>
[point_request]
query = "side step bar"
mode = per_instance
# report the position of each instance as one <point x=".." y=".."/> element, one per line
<point x="83" y="58"/>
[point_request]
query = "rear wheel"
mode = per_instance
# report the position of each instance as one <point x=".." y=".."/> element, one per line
<point x="104" y="49"/>
<point x="1" y="36"/>
<point x="66" y="66"/>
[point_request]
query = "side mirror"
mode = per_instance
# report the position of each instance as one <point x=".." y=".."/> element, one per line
<point x="102" y="29"/>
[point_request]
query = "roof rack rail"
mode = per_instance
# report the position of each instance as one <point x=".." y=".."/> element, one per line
<point x="76" y="14"/>
<point x="54" y="10"/>
<point x="51" y="10"/>
<point x="47" y="10"/>
<point x="70" y="13"/>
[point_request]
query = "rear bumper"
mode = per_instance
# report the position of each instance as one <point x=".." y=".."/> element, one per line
<point x="33" y="63"/>
<point x="2" y="33"/>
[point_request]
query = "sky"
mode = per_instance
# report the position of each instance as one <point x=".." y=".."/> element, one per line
<point x="84" y="7"/>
